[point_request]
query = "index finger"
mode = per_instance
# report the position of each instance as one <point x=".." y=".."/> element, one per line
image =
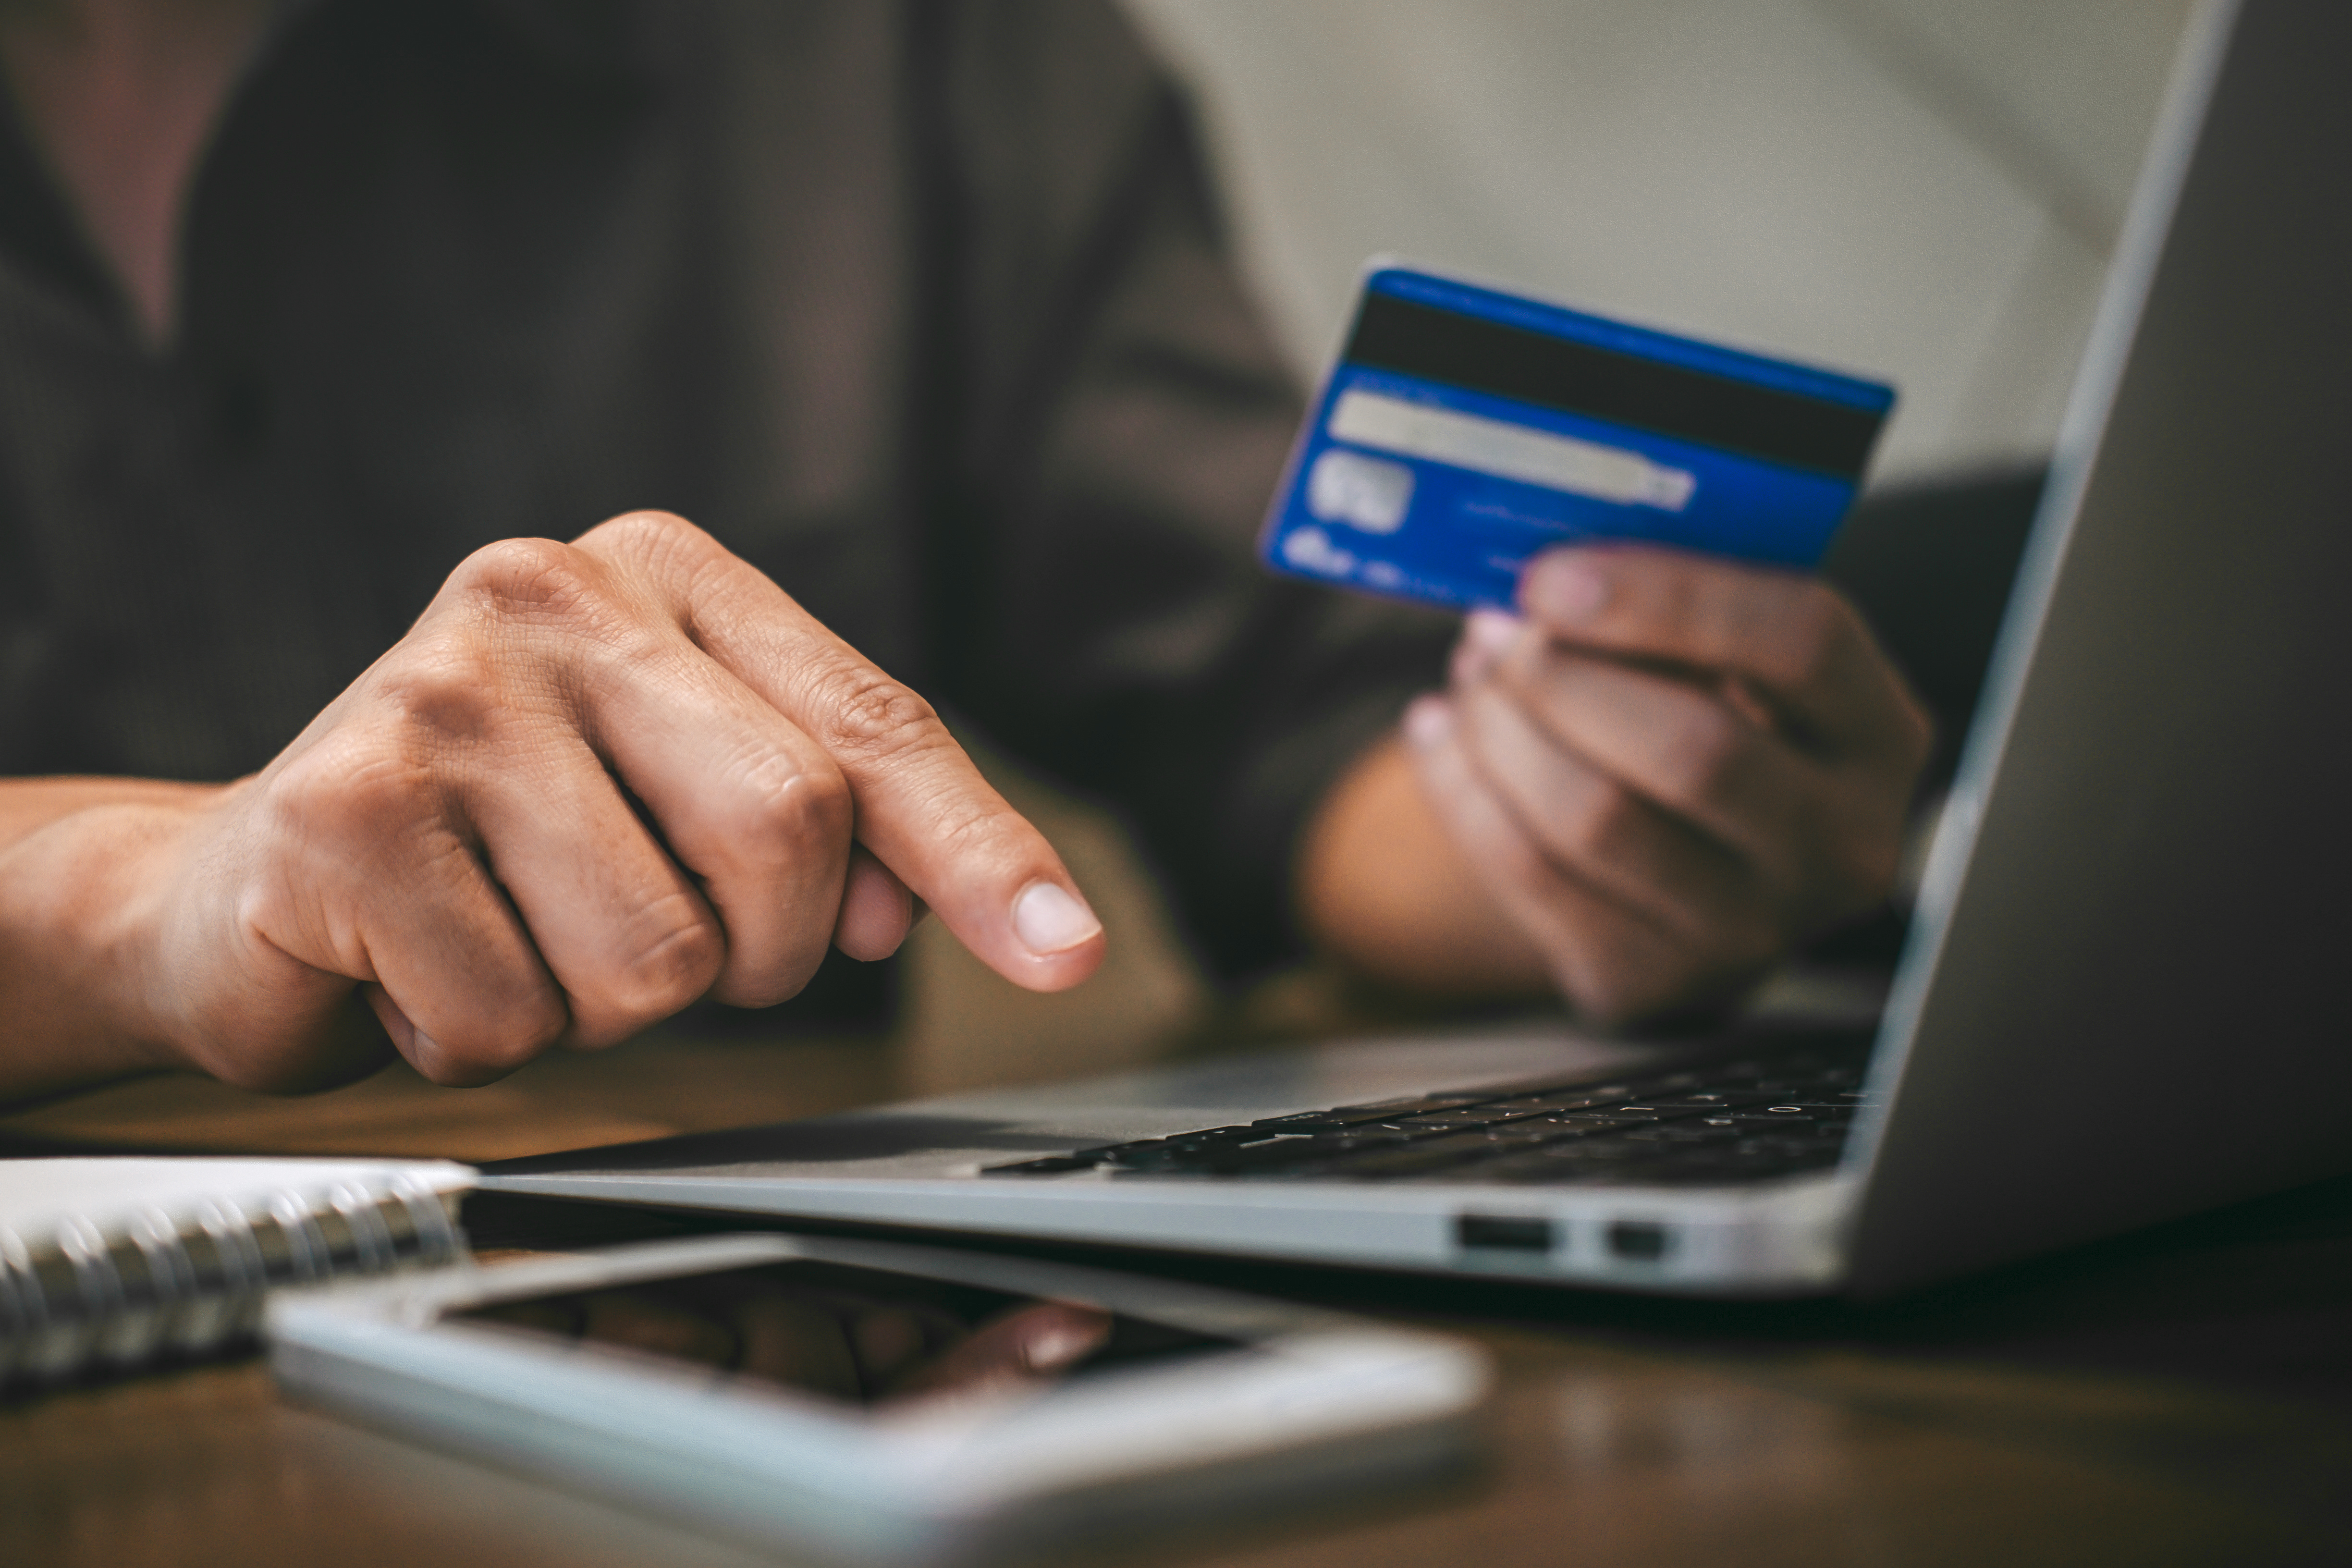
<point x="1794" y="637"/>
<point x="920" y="804"/>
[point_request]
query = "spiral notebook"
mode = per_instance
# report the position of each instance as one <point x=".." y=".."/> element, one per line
<point x="108" y="1264"/>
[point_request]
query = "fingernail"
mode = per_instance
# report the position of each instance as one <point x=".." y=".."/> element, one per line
<point x="1058" y="1346"/>
<point x="1049" y="919"/>
<point x="1489" y="631"/>
<point x="1563" y="588"/>
<point x="1426" y="722"/>
<point x="1487" y="634"/>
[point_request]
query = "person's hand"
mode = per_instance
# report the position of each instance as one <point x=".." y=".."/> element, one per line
<point x="595" y="782"/>
<point x="843" y="1343"/>
<point x="1669" y="768"/>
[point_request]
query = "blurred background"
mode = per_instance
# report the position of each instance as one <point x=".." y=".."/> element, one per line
<point x="1926" y="190"/>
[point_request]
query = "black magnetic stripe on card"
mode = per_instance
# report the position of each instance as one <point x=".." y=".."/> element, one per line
<point x="1503" y="361"/>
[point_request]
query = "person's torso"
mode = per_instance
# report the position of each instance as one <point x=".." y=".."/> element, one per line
<point x="449" y="276"/>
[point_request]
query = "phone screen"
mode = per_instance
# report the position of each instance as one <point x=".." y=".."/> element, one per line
<point x="862" y="1336"/>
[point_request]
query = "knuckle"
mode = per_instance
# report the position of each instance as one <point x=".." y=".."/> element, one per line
<point x="676" y="956"/>
<point x="1600" y="823"/>
<point x="874" y="718"/>
<point x="644" y="535"/>
<point x="444" y="689"/>
<point x="659" y="546"/>
<point x="529" y="580"/>
<point x="974" y="825"/>
<point x="1814" y="632"/>
<point x="788" y="813"/>
<point x="348" y="788"/>
<point x="1708" y="750"/>
<point x="1702" y="604"/>
<point x="1514" y="860"/>
<point x="1518" y="863"/>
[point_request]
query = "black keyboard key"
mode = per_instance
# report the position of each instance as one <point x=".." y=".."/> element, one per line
<point x="1305" y="1122"/>
<point x="1697" y="1104"/>
<point x="1414" y="1105"/>
<point x="1273" y="1156"/>
<point x="1332" y="1120"/>
<point x="1610" y="1150"/>
<point x="1520" y="1137"/>
<point x="1685" y="1132"/>
<point x="1156" y="1152"/>
<point x="1467" y="1116"/>
<point x="1566" y="1099"/>
<point x="1641" y="1115"/>
<point x="1407" y="1160"/>
<point x="1209" y="1135"/>
<point x="1405" y="1130"/>
<point x="1760" y="1116"/>
<point x="1152" y="1158"/>
<point x="1286" y="1153"/>
<point x="1180" y="1155"/>
<point x="1535" y="1131"/>
<point x="1583" y="1124"/>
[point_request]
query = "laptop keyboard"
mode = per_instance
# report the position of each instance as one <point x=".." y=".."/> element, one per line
<point x="1733" y="1121"/>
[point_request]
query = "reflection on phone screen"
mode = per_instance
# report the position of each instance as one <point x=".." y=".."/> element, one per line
<point x="860" y="1335"/>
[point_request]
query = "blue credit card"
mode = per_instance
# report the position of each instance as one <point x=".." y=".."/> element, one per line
<point x="1465" y="429"/>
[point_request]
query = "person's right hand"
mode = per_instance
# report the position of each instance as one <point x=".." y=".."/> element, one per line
<point x="594" y="783"/>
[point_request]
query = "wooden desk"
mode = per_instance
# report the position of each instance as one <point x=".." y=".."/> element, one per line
<point x="2182" y="1396"/>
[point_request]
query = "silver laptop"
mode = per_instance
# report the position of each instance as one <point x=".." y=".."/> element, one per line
<point x="2120" y="999"/>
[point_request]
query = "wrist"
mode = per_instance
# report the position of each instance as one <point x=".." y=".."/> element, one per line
<point x="1382" y="886"/>
<point x="83" y="898"/>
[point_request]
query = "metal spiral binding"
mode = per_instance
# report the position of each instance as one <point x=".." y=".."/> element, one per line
<point x="362" y="1217"/>
<point x="235" y="1252"/>
<point x="231" y="1310"/>
<point x="24" y="1305"/>
<point x="171" y="1279"/>
<point x="309" y="1257"/>
<point x="161" y="1288"/>
<point x="438" y="1239"/>
<point x="99" y="1278"/>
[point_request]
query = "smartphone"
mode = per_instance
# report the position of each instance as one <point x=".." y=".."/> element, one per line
<point x="881" y="1402"/>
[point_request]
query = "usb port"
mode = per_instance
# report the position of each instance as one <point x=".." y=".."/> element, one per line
<point x="1513" y="1233"/>
<point x="1639" y="1240"/>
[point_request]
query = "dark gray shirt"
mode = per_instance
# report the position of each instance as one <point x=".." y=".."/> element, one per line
<point x="921" y="308"/>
